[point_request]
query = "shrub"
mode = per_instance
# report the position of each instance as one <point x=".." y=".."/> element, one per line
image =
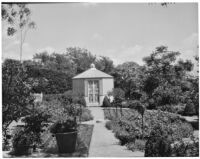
<point x="167" y="108"/>
<point x="70" y="97"/>
<point x="109" y="125"/>
<point x="86" y="115"/>
<point x="186" y="148"/>
<point x="119" y="95"/>
<point x="67" y="124"/>
<point x="123" y="136"/>
<point x="106" y="102"/>
<point x="134" y="103"/>
<point x="138" y="145"/>
<point x="35" y="124"/>
<point x="158" y="144"/>
<point x="22" y="142"/>
<point x="190" y="108"/>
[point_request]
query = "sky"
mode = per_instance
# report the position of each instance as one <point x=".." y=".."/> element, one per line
<point x="121" y="31"/>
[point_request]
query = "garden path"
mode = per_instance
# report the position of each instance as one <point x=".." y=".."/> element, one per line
<point x="103" y="143"/>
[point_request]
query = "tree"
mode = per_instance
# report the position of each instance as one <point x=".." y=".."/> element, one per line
<point x="55" y="61"/>
<point x="18" y="18"/>
<point x="128" y="76"/>
<point x="118" y="95"/>
<point x="81" y="58"/>
<point x="104" y="64"/>
<point x="16" y="92"/>
<point x="164" y="76"/>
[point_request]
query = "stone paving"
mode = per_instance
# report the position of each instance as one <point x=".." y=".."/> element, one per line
<point x="103" y="143"/>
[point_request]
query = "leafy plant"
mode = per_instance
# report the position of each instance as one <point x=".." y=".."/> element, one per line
<point x="106" y="102"/>
<point x="158" y="144"/>
<point x="68" y="124"/>
<point x="189" y="108"/>
<point x="35" y="124"/>
<point x="22" y="142"/>
<point x="16" y="92"/>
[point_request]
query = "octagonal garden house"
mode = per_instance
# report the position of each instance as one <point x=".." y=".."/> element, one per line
<point x="94" y="85"/>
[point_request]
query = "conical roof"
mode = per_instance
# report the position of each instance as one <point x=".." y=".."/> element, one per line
<point x="92" y="73"/>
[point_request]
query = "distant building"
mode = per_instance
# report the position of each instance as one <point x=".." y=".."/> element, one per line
<point x="94" y="85"/>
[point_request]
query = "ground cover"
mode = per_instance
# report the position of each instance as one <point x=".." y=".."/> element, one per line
<point x="128" y="126"/>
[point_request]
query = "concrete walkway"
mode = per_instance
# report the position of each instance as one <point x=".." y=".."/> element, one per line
<point x="103" y="143"/>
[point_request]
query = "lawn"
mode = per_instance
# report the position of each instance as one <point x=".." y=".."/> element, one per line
<point x="127" y="126"/>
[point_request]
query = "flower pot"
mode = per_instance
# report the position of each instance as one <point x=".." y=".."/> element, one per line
<point x="22" y="150"/>
<point x="66" y="142"/>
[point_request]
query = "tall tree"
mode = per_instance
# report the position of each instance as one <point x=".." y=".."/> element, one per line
<point x="128" y="77"/>
<point x="17" y="16"/>
<point x="82" y="58"/>
<point x="164" y="75"/>
<point x="16" y="92"/>
<point x="104" y="64"/>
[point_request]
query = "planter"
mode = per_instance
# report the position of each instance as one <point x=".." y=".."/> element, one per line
<point x="22" y="150"/>
<point x="66" y="142"/>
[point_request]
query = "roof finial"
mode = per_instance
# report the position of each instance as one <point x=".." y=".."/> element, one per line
<point x="92" y="66"/>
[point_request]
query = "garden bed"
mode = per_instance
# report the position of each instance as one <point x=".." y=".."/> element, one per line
<point x="127" y="126"/>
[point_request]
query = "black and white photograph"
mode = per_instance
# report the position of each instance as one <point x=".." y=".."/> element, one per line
<point x="100" y="79"/>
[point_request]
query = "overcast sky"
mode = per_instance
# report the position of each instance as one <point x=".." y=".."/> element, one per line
<point x="123" y="32"/>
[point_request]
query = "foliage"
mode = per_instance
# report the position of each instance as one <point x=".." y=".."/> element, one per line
<point x="82" y="58"/>
<point x="128" y="77"/>
<point x="118" y="95"/>
<point x="158" y="144"/>
<point x="131" y="122"/>
<point x="186" y="148"/>
<point x="138" y="145"/>
<point x="49" y="81"/>
<point x="124" y="136"/>
<point x="17" y="16"/>
<point x="55" y="62"/>
<point x="109" y="125"/>
<point x="178" y="109"/>
<point x="68" y="124"/>
<point x="190" y="108"/>
<point x="22" y="141"/>
<point x="104" y="64"/>
<point x="164" y="77"/>
<point x="106" y="102"/>
<point x="36" y="122"/>
<point x="86" y="115"/>
<point x="16" y="92"/>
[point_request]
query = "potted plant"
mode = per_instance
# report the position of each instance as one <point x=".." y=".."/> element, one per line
<point x="65" y="131"/>
<point x="22" y="143"/>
